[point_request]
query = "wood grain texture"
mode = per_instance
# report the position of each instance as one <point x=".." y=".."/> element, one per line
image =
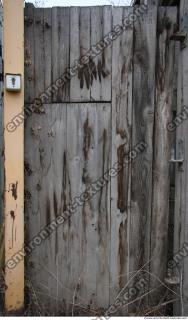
<point x="29" y="54"/>
<point x="165" y="71"/>
<point x="142" y="130"/>
<point x="60" y="50"/>
<point x="45" y="197"/>
<point x="47" y="27"/>
<point x="100" y="66"/>
<point x="79" y="46"/>
<point x="60" y="166"/>
<point x="39" y="51"/>
<point x="181" y="209"/>
<point x="88" y="159"/>
<point x="117" y="99"/>
<point x="122" y="51"/>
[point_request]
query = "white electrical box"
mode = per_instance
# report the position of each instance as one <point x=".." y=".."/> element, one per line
<point x="13" y="82"/>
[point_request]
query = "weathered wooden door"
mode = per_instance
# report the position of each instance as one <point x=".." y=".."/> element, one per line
<point x="81" y="130"/>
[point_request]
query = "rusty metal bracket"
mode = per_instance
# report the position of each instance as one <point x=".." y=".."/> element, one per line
<point x="182" y="34"/>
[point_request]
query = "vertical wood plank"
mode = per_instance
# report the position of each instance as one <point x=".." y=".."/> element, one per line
<point x="45" y="181"/>
<point x="181" y="209"/>
<point x="88" y="157"/>
<point x="79" y="46"/>
<point x="39" y="51"/>
<point x="74" y="51"/>
<point x="165" y="71"/>
<point x="48" y="49"/>
<point x="100" y="66"/>
<point x="60" y="50"/>
<point x="29" y="53"/>
<point x="179" y="179"/>
<point x="122" y="51"/>
<point x="142" y="129"/>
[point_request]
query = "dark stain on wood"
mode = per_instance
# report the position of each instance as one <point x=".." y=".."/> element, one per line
<point x="85" y="176"/>
<point x="55" y="205"/>
<point x="27" y="198"/>
<point x="121" y="202"/>
<point x="56" y="214"/>
<point x="27" y="195"/>
<point x="122" y="133"/>
<point x="14" y="190"/>
<point x="27" y="169"/>
<point x="163" y="24"/>
<point x="86" y="148"/>
<point x="12" y="214"/>
<point x="87" y="139"/>
<point x="90" y="71"/>
<point x="93" y="70"/>
<point x="28" y="21"/>
<point x="38" y="186"/>
<point x="84" y="224"/>
<point x="141" y="58"/>
<point x="122" y="253"/>
<point x="48" y="215"/>
<point x="63" y="194"/>
<point x="103" y="212"/>
<point x="27" y="58"/>
<point x="42" y="154"/>
<point x="105" y="137"/>
<point x="47" y="26"/>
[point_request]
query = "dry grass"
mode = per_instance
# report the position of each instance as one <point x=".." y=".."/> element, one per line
<point x="34" y="305"/>
<point x="164" y="307"/>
